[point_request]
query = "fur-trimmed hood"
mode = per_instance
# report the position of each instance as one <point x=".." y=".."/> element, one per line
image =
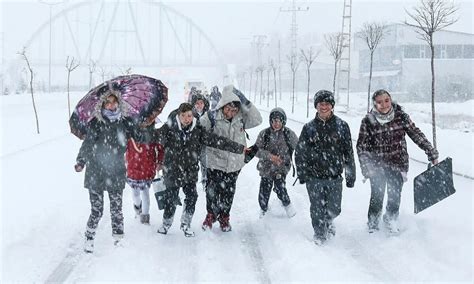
<point x="103" y="97"/>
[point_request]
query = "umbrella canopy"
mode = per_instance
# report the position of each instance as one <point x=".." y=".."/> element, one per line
<point x="143" y="98"/>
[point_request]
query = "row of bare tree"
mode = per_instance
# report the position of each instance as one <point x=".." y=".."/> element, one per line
<point x="427" y="18"/>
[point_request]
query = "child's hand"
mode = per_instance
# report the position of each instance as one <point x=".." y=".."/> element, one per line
<point x="275" y="159"/>
<point x="78" y="167"/>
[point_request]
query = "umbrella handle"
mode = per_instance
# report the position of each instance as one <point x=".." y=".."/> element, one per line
<point x="139" y="150"/>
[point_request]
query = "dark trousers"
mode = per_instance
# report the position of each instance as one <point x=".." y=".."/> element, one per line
<point x="172" y="199"/>
<point x="220" y="191"/>
<point x="278" y="184"/>
<point x="325" y="197"/>
<point x="393" y="181"/>
<point x="96" y="198"/>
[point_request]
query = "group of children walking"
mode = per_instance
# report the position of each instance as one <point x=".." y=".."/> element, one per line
<point x="214" y="140"/>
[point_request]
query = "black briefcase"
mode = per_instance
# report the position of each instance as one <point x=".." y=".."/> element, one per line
<point x="433" y="185"/>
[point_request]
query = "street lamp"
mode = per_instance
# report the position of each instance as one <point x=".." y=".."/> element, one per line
<point x="50" y="4"/>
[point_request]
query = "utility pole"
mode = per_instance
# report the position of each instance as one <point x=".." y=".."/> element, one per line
<point x="294" y="25"/>
<point x="50" y="4"/>
<point x="344" y="80"/>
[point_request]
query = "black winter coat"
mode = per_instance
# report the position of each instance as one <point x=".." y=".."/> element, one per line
<point x="183" y="148"/>
<point x="103" y="153"/>
<point x="324" y="150"/>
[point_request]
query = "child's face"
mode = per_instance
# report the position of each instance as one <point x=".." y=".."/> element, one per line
<point x="276" y="124"/>
<point x="383" y="103"/>
<point x="199" y="105"/>
<point x="111" y="103"/>
<point x="186" y="118"/>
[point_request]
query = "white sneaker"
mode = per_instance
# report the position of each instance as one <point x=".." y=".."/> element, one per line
<point x="163" y="229"/>
<point x="187" y="230"/>
<point x="290" y="211"/>
<point x="89" y="245"/>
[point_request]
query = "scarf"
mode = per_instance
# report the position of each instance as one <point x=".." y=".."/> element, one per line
<point x="383" y="118"/>
<point x="112" y="115"/>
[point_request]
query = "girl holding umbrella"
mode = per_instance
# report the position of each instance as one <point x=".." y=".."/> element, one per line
<point x="102" y="153"/>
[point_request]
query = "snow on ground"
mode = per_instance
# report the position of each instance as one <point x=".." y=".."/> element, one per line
<point x="44" y="208"/>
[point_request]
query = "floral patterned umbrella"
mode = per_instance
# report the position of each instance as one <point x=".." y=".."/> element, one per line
<point x="144" y="98"/>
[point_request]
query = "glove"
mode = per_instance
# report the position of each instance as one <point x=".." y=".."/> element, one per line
<point x="302" y="181"/>
<point x="79" y="167"/>
<point x="350" y="183"/>
<point x="241" y="96"/>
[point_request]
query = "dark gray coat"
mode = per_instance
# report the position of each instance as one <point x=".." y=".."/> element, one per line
<point x="183" y="148"/>
<point x="103" y="153"/>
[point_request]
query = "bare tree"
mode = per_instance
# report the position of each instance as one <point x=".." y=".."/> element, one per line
<point x="334" y="45"/>
<point x="372" y="34"/>
<point x="257" y="70"/>
<point x="274" y="68"/>
<point x="92" y="67"/>
<point x="70" y="66"/>
<point x="250" y="70"/>
<point x="261" y="68"/>
<point x="102" y="72"/>
<point x="294" y="63"/>
<point x="309" y="57"/>
<point x="25" y="57"/>
<point x="429" y="17"/>
<point x="268" y="83"/>
<point x="126" y="71"/>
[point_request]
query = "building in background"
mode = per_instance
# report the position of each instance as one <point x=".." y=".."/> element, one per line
<point x="402" y="64"/>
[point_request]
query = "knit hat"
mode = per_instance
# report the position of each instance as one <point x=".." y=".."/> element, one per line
<point x="324" y="96"/>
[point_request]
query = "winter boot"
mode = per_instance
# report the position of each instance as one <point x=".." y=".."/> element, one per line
<point x="145" y="219"/>
<point x="224" y="223"/>
<point x="165" y="226"/>
<point x="89" y="245"/>
<point x="331" y="230"/>
<point x="391" y="224"/>
<point x="290" y="211"/>
<point x="117" y="239"/>
<point x="319" y="240"/>
<point x="186" y="219"/>
<point x="373" y="224"/>
<point x="207" y="224"/>
<point x="138" y="209"/>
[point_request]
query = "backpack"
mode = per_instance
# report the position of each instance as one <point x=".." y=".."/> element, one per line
<point x="266" y="140"/>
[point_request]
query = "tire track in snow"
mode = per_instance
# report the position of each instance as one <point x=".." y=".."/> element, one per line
<point x="250" y="241"/>
<point x="62" y="271"/>
<point x="359" y="253"/>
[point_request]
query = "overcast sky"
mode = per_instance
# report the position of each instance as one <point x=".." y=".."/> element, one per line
<point x="231" y="24"/>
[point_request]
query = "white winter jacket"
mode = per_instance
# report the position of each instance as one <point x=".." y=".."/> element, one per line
<point x="247" y="117"/>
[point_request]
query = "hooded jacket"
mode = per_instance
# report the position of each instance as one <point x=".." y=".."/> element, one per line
<point x="183" y="147"/>
<point x="248" y="117"/>
<point x="103" y="149"/>
<point x="275" y="145"/>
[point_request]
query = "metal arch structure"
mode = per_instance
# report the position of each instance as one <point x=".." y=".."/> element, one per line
<point x="123" y="34"/>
